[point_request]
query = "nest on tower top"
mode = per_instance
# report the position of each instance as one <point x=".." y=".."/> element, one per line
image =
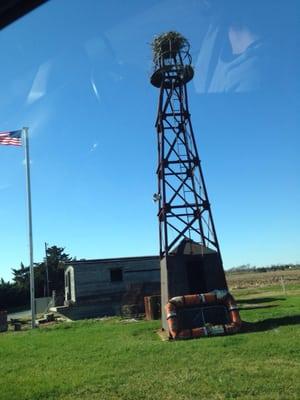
<point x="167" y="45"/>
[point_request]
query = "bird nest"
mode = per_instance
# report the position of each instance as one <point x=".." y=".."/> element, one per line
<point x="167" y="45"/>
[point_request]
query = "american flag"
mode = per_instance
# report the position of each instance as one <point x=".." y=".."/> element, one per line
<point x="13" y="138"/>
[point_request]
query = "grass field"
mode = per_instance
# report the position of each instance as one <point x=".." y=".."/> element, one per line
<point x="111" y="359"/>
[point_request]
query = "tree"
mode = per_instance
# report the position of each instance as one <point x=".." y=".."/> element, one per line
<point x="56" y="257"/>
<point x="21" y="277"/>
<point x="17" y="293"/>
<point x="12" y="295"/>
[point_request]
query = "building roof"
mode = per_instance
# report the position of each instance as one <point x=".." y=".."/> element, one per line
<point x="110" y="260"/>
<point x="189" y="247"/>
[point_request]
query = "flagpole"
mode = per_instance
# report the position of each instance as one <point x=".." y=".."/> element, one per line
<point x="27" y="162"/>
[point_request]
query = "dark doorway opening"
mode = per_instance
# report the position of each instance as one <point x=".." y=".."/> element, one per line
<point x="195" y="277"/>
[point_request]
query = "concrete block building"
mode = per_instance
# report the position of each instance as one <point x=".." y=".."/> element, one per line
<point x="95" y="288"/>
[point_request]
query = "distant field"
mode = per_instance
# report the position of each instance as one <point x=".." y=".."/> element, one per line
<point x="242" y="280"/>
<point x="112" y="359"/>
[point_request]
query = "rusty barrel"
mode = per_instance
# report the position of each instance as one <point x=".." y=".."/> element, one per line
<point x="152" y="307"/>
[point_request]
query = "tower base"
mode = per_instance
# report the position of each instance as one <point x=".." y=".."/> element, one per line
<point x="191" y="268"/>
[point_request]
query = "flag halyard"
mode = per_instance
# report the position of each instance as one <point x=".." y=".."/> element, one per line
<point x="11" y="138"/>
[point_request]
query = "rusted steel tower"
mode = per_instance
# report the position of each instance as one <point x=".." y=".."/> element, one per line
<point x="189" y="249"/>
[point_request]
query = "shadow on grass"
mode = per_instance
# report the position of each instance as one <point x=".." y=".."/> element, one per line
<point x="257" y="307"/>
<point x="269" y="324"/>
<point x="260" y="300"/>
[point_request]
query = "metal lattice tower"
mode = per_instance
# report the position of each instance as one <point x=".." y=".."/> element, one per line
<point x="184" y="210"/>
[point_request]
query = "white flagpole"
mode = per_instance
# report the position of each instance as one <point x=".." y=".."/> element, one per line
<point x="27" y="162"/>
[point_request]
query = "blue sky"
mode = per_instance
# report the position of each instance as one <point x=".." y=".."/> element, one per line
<point x="79" y="79"/>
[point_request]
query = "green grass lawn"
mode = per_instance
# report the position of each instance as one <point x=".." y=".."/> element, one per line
<point x="116" y="360"/>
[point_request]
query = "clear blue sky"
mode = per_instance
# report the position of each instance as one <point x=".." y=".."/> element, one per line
<point x="77" y="74"/>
